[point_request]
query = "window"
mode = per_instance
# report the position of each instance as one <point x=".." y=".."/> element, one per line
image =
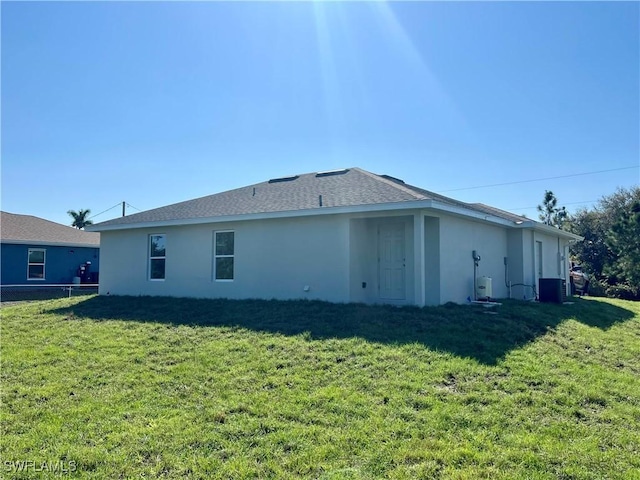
<point x="35" y="264"/>
<point x="157" y="257"/>
<point x="223" y="255"/>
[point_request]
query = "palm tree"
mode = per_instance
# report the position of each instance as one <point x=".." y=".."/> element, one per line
<point x="80" y="219"/>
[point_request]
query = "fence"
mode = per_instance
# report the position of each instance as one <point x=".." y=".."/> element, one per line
<point x="22" y="293"/>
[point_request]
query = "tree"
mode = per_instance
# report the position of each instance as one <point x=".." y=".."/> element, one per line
<point x="80" y="219"/>
<point x="610" y="250"/>
<point x="550" y="213"/>
<point x="623" y="238"/>
<point x="592" y="253"/>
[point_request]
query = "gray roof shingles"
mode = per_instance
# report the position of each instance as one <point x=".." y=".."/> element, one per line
<point x="30" y="229"/>
<point x="351" y="187"/>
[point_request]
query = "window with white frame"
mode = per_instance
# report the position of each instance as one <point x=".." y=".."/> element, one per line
<point x="157" y="256"/>
<point x="35" y="263"/>
<point x="223" y="245"/>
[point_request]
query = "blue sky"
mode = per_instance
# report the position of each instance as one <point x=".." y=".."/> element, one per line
<point x="159" y="102"/>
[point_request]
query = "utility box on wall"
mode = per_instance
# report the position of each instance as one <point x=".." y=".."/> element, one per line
<point x="552" y="290"/>
<point x="483" y="288"/>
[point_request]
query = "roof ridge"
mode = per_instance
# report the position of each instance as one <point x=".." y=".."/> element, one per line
<point x="391" y="183"/>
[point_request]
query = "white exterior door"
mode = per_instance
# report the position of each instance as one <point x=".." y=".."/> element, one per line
<point x="538" y="263"/>
<point x="391" y="262"/>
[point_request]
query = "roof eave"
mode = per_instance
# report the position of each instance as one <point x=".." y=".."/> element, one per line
<point x="477" y="215"/>
<point x="408" y="205"/>
<point x="378" y="207"/>
<point x="43" y="243"/>
<point x="529" y="224"/>
<point x="542" y="228"/>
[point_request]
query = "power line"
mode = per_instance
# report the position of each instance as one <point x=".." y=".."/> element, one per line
<point x="97" y="214"/>
<point x="115" y="206"/>
<point x="538" y="179"/>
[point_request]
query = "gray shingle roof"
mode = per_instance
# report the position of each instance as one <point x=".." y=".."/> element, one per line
<point x="343" y="188"/>
<point x="29" y="229"/>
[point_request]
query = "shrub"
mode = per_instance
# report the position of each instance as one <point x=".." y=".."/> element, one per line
<point x="597" y="288"/>
<point x="623" y="291"/>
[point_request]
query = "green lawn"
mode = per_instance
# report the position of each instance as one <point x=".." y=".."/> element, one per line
<point x="127" y="387"/>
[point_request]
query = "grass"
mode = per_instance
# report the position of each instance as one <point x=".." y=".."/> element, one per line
<point x="135" y="387"/>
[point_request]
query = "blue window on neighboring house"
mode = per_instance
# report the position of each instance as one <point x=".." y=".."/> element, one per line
<point x="157" y="257"/>
<point x="36" y="263"/>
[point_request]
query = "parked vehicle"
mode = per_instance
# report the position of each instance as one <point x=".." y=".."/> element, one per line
<point x="579" y="281"/>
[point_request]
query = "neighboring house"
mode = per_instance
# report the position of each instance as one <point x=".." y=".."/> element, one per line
<point x="343" y="236"/>
<point x="35" y="251"/>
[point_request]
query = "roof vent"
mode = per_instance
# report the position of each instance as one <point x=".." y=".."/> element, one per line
<point x="393" y="179"/>
<point x="284" y="179"/>
<point x="330" y="173"/>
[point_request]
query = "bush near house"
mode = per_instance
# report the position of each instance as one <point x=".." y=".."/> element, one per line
<point x="134" y="387"/>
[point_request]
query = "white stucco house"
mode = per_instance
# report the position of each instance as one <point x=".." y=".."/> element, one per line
<point x="342" y="236"/>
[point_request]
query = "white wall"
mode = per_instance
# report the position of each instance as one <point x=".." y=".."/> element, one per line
<point x="521" y="258"/>
<point x="448" y="263"/>
<point x="550" y="259"/>
<point x="458" y="238"/>
<point x="432" y="260"/>
<point x="523" y="263"/>
<point x="273" y="259"/>
<point x="363" y="251"/>
<point x="363" y="261"/>
<point x="332" y="254"/>
<point x="554" y="262"/>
